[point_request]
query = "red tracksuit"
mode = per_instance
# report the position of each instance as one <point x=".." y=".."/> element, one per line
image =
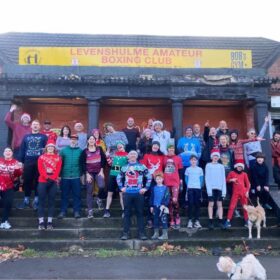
<point x="239" y="190"/>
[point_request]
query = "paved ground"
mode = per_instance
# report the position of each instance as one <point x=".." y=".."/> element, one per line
<point x="171" y="267"/>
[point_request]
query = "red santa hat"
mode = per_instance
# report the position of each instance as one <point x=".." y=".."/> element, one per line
<point x="239" y="162"/>
<point x="25" y="115"/>
<point x="215" y="152"/>
<point x="50" y="143"/>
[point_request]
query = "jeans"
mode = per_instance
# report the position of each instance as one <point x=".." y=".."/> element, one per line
<point x="46" y="190"/>
<point x="194" y="197"/>
<point x="276" y="175"/>
<point x="30" y="176"/>
<point x="159" y="218"/>
<point x="101" y="185"/>
<point x="7" y="200"/>
<point x="74" y="186"/>
<point x="136" y="201"/>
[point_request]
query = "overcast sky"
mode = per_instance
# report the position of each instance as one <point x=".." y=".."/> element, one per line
<point x="245" y="18"/>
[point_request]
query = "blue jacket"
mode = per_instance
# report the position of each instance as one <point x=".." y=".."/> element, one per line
<point x="158" y="197"/>
<point x="188" y="147"/>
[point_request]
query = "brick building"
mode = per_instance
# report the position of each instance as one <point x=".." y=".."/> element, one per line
<point x="99" y="78"/>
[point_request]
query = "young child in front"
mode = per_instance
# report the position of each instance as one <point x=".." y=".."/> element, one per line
<point x="159" y="202"/>
<point x="240" y="191"/>
<point x="215" y="180"/>
<point x="194" y="183"/>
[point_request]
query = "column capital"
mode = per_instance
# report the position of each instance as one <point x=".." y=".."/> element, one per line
<point x="177" y="100"/>
<point x="94" y="100"/>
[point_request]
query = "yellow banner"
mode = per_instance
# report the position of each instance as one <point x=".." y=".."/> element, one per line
<point x="135" y="57"/>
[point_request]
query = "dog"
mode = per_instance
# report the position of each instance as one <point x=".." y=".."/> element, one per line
<point x="256" y="216"/>
<point x="248" y="269"/>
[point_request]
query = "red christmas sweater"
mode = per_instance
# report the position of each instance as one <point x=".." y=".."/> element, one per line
<point x="8" y="173"/>
<point x="49" y="166"/>
<point x="172" y="164"/>
<point x="153" y="162"/>
<point x="50" y="134"/>
<point x="242" y="184"/>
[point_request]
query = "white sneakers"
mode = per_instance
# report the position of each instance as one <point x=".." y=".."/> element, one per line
<point x="5" y="225"/>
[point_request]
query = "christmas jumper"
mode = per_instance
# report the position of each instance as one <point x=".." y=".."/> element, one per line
<point x="8" y="173"/>
<point x="119" y="160"/>
<point x="49" y="166"/>
<point x="154" y="162"/>
<point x="188" y="146"/>
<point x="173" y="168"/>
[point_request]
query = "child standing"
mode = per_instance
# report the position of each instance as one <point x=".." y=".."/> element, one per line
<point x="159" y="201"/>
<point x="215" y="180"/>
<point x="194" y="183"/>
<point x="240" y="191"/>
<point x="259" y="173"/>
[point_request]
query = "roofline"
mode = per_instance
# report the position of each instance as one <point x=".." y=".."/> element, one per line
<point x="137" y="35"/>
<point x="272" y="58"/>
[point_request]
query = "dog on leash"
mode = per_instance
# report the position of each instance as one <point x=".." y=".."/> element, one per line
<point x="248" y="269"/>
<point x="256" y="216"/>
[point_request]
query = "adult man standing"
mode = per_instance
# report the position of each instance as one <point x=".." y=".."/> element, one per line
<point x="161" y="135"/>
<point x="130" y="182"/>
<point x="275" y="147"/>
<point x="70" y="177"/>
<point x="48" y="132"/>
<point x="82" y="142"/>
<point x="19" y="129"/>
<point x="132" y="134"/>
<point x="198" y="135"/>
<point x="31" y="148"/>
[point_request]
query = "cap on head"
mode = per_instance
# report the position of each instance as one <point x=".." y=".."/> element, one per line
<point x="156" y="143"/>
<point x="132" y="153"/>
<point x="50" y="143"/>
<point x="74" y="136"/>
<point x="160" y="123"/>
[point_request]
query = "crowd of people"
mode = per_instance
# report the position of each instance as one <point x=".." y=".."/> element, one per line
<point x="145" y="167"/>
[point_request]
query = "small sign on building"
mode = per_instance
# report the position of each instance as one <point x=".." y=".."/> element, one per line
<point x="275" y="101"/>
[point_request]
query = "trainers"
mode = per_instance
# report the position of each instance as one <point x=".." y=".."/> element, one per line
<point x="35" y="205"/>
<point x="124" y="236"/>
<point x="178" y="222"/>
<point x="106" y="214"/>
<point x="122" y="214"/>
<point x="61" y="215"/>
<point x="246" y="224"/>
<point x="5" y="225"/>
<point x="149" y="224"/>
<point x="197" y="224"/>
<point x="190" y="224"/>
<point x="237" y="214"/>
<point x="172" y="224"/>
<point x="267" y="206"/>
<point x="49" y="226"/>
<point x="143" y="236"/>
<point x="211" y="225"/>
<point x="99" y="203"/>
<point x="23" y="205"/>
<point x="77" y="215"/>
<point x="221" y="224"/>
<point x="90" y="214"/>
<point x="227" y="224"/>
<point x="41" y="226"/>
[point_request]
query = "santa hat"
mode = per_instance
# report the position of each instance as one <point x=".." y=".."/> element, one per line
<point x="50" y="143"/>
<point x="239" y="162"/>
<point x="25" y="115"/>
<point x="215" y="152"/>
<point x="160" y="123"/>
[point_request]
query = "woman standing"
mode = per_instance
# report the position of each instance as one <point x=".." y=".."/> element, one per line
<point x="98" y="139"/>
<point x="10" y="170"/>
<point x="63" y="140"/>
<point x="49" y="166"/>
<point x="145" y="143"/>
<point x="93" y="161"/>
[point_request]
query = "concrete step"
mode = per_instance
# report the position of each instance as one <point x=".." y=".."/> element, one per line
<point x="64" y="244"/>
<point x="32" y="222"/>
<point x="114" y="233"/>
<point x="115" y="212"/>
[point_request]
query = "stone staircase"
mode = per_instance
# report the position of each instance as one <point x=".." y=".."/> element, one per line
<point x="104" y="233"/>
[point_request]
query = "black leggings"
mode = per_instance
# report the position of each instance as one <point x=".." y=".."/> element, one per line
<point x="30" y="176"/>
<point x="46" y="190"/>
<point x="7" y="198"/>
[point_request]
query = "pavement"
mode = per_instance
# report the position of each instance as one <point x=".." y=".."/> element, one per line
<point x="140" y="267"/>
